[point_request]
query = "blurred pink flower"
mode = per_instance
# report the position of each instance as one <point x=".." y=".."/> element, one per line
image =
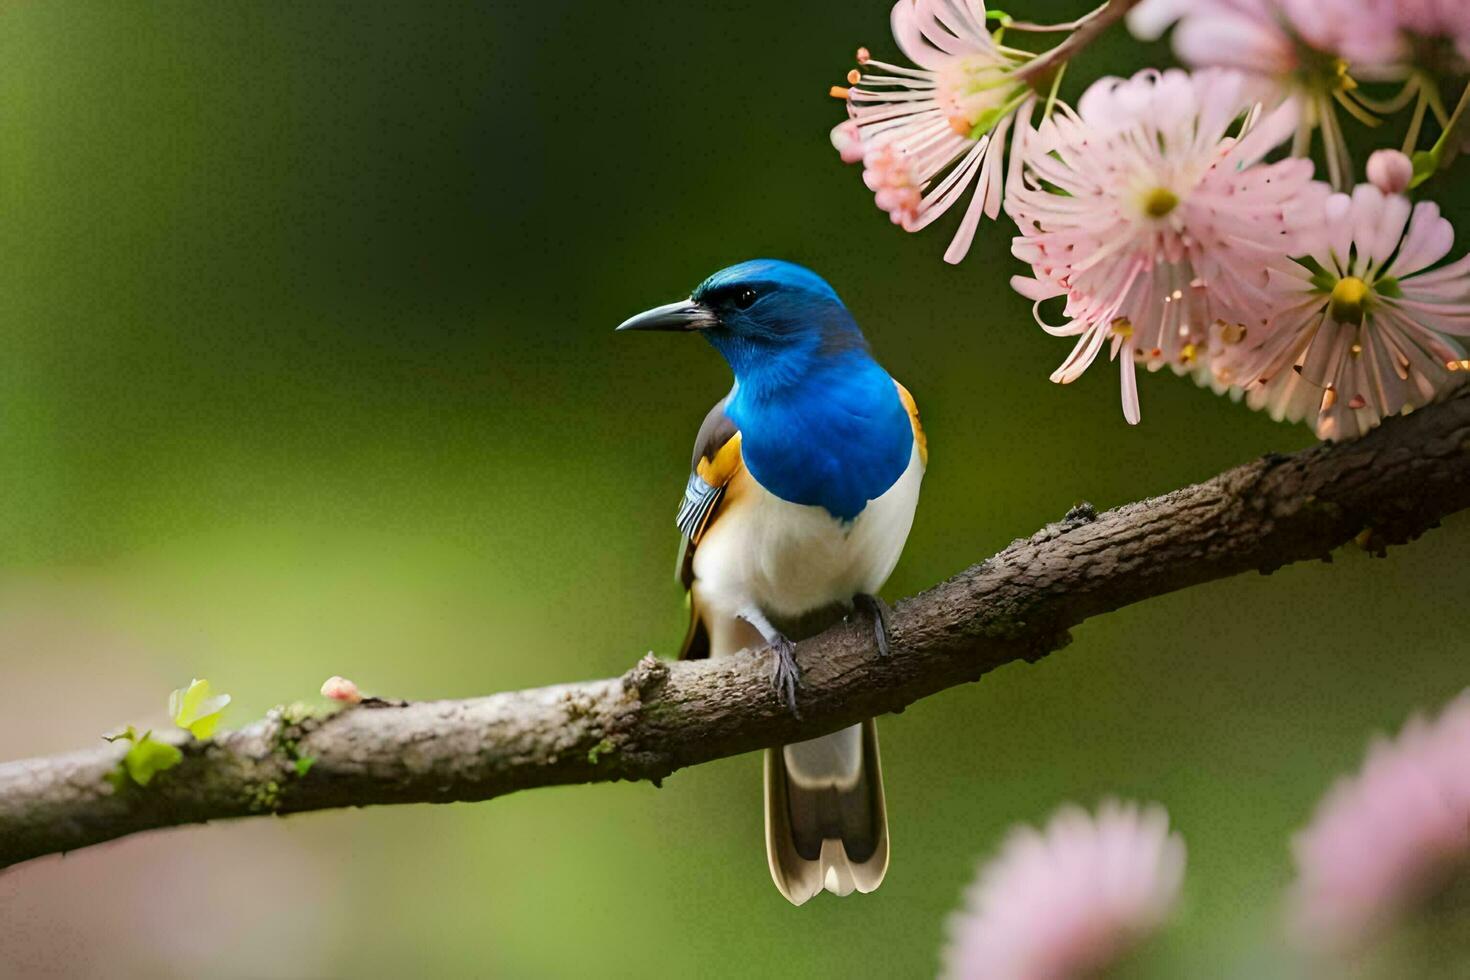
<point x="1358" y="323"/>
<point x="1272" y="36"/>
<point x="927" y="135"/>
<point x="1389" y="837"/>
<point x="1151" y="218"/>
<point x="1069" y="900"/>
<point x="1301" y="50"/>
<point x="1430" y="20"/>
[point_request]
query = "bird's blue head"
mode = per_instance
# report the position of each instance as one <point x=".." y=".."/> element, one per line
<point x="773" y="321"/>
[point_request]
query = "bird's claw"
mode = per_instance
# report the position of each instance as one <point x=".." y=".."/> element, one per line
<point x="877" y="610"/>
<point x="785" y="674"/>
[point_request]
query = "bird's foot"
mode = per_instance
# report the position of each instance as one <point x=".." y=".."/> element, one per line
<point x="785" y="674"/>
<point x="877" y="610"/>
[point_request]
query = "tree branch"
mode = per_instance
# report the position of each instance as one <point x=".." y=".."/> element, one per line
<point x="1087" y="30"/>
<point x="1019" y="605"/>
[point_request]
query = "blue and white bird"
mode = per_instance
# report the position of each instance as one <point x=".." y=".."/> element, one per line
<point x="802" y="492"/>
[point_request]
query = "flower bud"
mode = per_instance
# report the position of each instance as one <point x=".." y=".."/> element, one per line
<point x="341" y="689"/>
<point x="1390" y="171"/>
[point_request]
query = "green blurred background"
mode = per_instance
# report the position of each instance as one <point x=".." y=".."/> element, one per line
<point x="308" y="368"/>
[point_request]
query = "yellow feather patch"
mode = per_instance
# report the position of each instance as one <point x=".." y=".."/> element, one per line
<point x="726" y="462"/>
<point x="720" y="472"/>
<point x="919" y="438"/>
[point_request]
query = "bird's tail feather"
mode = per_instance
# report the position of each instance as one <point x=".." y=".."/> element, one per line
<point x="826" y="824"/>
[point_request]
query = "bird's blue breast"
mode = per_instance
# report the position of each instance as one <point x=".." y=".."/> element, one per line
<point x="838" y="439"/>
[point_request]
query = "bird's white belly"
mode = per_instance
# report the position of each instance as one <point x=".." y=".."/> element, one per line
<point x="786" y="559"/>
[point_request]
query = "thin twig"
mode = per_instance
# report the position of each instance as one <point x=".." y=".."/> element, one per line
<point x="1071" y="25"/>
<point x="1088" y="30"/>
<point x="1456" y="132"/>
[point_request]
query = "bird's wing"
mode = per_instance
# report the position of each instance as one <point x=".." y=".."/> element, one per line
<point x="920" y="439"/>
<point x="716" y="461"/>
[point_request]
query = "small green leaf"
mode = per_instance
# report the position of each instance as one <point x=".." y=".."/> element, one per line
<point x="130" y="734"/>
<point x="193" y="708"/>
<point x="599" y="750"/>
<point x="1426" y="162"/>
<point x="148" y="758"/>
<point x="1389" y="286"/>
<point x="304" y="764"/>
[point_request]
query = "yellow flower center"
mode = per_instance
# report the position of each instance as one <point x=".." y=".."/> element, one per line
<point x="1159" y="202"/>
<point x="1348" y="300"/>
<point x="1320" y="72"/>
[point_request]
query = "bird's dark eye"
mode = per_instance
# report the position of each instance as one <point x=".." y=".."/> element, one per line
<point x="744" y="297"/>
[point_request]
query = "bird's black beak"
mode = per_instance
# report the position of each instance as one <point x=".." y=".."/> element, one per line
<point x="683" y="315"/>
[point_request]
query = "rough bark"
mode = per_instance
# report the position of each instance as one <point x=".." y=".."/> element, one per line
<point x="658" y="717"/>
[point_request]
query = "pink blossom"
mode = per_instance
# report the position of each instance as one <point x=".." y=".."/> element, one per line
<point x="1152" y="219"/>
<point x="1273" y="37"/>
<point x="1069" y="900"/>
<point x="1435" y="19"/>
<point x="929" y="134"/>
<point x="1387" y="838"/>
<point x="1357" y="325"/>
<point x="1303" y="51"/>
